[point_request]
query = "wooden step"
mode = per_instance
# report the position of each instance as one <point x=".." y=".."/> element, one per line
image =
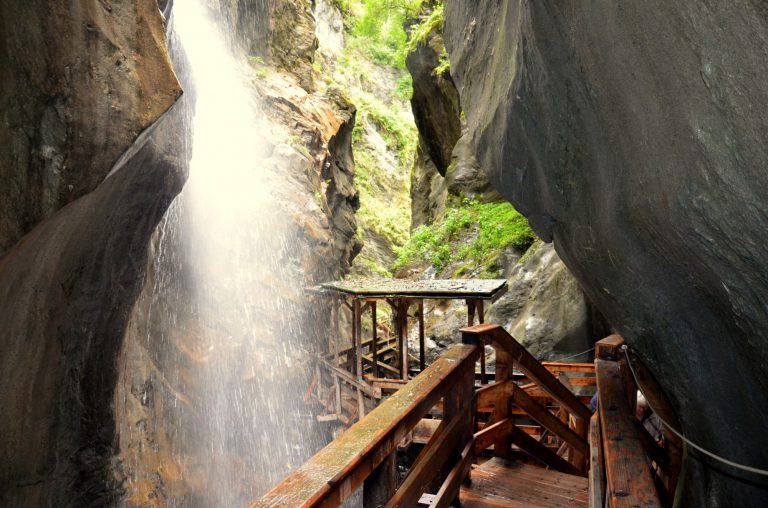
<point x="500" y="483"/>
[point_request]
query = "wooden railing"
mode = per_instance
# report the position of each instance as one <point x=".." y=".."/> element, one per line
<point x="364" y="454"/>
<point x="620" y="448"/>
<point x="609" y="447"/>
<point x="509" y="398"/>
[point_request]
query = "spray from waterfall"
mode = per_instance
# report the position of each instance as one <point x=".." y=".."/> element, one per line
<point x="220" y="312"/>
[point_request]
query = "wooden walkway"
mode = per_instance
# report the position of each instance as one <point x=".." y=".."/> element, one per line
<point x="500" y="483"/>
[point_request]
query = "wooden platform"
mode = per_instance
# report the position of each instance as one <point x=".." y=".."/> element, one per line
<point x="499" y="483"/>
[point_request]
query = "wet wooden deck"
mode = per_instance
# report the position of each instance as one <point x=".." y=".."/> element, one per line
<point x="500" y="483"/>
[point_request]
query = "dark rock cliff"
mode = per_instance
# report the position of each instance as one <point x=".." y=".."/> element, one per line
<point x="632" y="135"/>
<point x="74" y="96"/>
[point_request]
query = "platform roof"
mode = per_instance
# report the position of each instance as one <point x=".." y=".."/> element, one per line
<point x="482" y="289"/>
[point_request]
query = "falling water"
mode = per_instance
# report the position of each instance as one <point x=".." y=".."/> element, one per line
<point x="219" y="322"/>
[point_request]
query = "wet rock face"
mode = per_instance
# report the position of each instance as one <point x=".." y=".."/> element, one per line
<point x="73" y="97"/>
<point x="633" y="138"/>
<point x="68" y="287"/>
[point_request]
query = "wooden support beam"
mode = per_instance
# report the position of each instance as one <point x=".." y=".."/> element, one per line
<point x="550" y="421"/>
<point x="491" y="434"/>
<point x="540" y="452"/>
<point x="382" y="484"/>
<point x="428" y="463"/>
<point x="481" y="320"/>
<point x="491" y="394"/>
<point x="402" y="338"/>
<point x="349" y="378"/>
<point x="628" y="478"/>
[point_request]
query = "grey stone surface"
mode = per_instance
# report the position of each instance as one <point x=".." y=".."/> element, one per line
<point x="633" y="136"/>
<point x="67" y="289"/>
<point x="73" y="97"/>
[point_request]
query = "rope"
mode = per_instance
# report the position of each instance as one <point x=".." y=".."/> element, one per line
<point x="679" y="434"/>
<point x="574" y="356"/>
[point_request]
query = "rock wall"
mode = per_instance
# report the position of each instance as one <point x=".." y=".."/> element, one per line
<point x="632" y="136"/>
<point x="74" y="97"/>
<point x="80" y="83"/>
<point x="544" y="308"/>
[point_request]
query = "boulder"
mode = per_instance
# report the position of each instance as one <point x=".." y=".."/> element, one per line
<point x="632" y="136"/>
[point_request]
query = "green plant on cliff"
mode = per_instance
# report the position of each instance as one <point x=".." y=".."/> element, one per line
<point x="472" y="234"/>
<point x="420" y="31"/>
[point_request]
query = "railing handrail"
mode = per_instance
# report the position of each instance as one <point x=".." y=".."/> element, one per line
<point x="527" y="363"/>
<point x="336" y="471"/>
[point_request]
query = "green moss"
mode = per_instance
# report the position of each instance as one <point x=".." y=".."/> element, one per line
<point x="420" y="32"/>
<point x="443" y="64"/>
<point x="473" y="234"/>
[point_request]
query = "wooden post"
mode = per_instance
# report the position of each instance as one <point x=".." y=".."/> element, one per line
<point x="374" y="352"/>
<point x="502" y="447"/>
<point x="402" y="337"/>
<point x="336" y="330"/>
<point x="356" y="325"/>
<point x="337" y="387"/>
<point x="422" y="352"/>
<point x="455" y="405"/>
<point x="380" y="486"/>
<point x="481" y="320"/>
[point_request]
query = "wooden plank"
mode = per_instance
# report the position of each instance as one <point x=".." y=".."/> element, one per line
<point x="548" y="420"/>
<point x="349" y="378"/>
<point x="532" y="368"/>
<point x="450" y="488"/>
<point x="339" y="469"/>
<point x="628" y="478"/>
<point x="596" y="498"/>
<point x="498" y="483"/>
<point x="585" y="367"/>
<point x="427" y="464"/>
<point x="424" y="430"/>
<point x="540" y="452"/>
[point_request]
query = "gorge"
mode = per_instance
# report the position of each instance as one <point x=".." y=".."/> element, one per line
<point x="176" y="173"/>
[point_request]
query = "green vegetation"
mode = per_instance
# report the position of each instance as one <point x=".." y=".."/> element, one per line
<point x="420" y="32"/>
<point x="473" y="234"/>
<point x="443" y="64"/>
<point x="377" y="28"/>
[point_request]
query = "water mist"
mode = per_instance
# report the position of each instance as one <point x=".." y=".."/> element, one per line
<point x="213" y="373"/>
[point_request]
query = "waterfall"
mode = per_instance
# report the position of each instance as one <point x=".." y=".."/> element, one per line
<point x="216" y="336"/>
